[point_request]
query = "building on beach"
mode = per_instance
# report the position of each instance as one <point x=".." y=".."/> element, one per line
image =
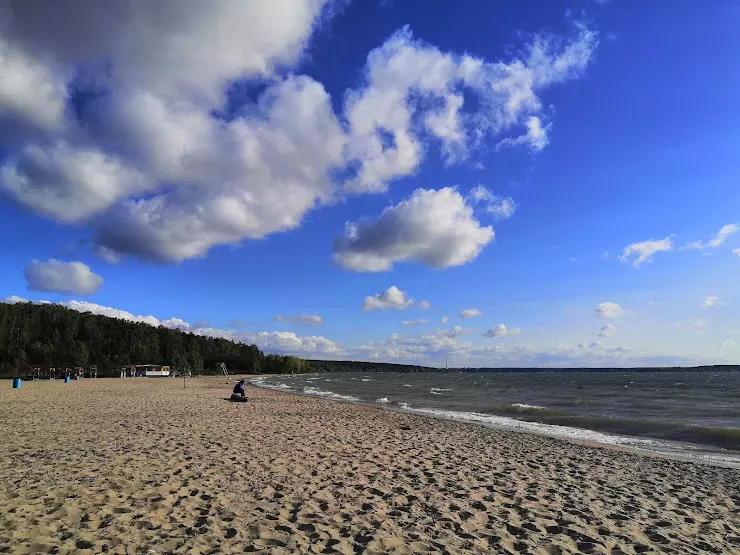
<point x="145" y="371"/>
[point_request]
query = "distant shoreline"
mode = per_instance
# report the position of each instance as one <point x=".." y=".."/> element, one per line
<point x="363" y="366"/>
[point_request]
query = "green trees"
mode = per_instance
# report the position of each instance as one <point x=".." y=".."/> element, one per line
<point x="52" y="335"/>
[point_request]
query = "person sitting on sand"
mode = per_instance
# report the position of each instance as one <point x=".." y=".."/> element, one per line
<point x="239" y="394"/>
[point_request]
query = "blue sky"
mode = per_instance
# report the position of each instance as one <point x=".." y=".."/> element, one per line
<point x="304" y="176"/>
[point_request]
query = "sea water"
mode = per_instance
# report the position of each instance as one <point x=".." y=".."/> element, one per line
<point x="688" y="413"/>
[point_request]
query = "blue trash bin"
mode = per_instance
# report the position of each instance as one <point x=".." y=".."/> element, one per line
<point x="17" y="383"/>
<point x="66" y="379"/>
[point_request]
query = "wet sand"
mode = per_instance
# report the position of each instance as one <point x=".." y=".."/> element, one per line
<point x="137" y="466"/>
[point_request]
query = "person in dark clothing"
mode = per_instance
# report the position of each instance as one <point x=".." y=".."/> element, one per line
<point x="239" y="394"/>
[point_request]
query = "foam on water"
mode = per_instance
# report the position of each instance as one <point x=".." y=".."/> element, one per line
<point x="308" y="390"/>
<point x="575" y="434"/>
<point x="382" y="400"/>
<point x="524" y="407"/>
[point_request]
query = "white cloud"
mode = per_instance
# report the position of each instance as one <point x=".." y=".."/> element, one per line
<point x="609" y="330"/>
<point x="236" y="324"/>
<point x="391" y="298"/>
<point x="404" y="76"/>
<point x="710" y="301"/>
<point x="55" y="276"/>
<point x="307" y="319"/>
<point x="424" y="305"/>
<point x="412" y="323"/>
<point x="180" y="180"/>
<point x="434" y="227"/>
<point x="572" y="259"/>
<point x="610" y="310"/>
<point x="67" y="183"/>
<point x="470" y="313"/>
<point x="444" y="319"/>
<point x="456" y="331"/>
<point x="433" y="348"/>
<point x="723" y="234"/>
<point x="535" y="137"/>
<point x="645" y="250"/>
<point x="280" y="342"/>
<point x="14" y="299"/>
<point x="695" y="325"/>
<point x="31" y="93"/>
<point x="736" y="252"/>
<point x="142" y="160"/>
<point x="500" y="208"/>
<point x="500" y="330"/>
<point x="109" y="255"/>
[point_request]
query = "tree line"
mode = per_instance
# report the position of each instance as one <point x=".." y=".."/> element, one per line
<point x="359" y="366"/>
<point x="53" y="335"/>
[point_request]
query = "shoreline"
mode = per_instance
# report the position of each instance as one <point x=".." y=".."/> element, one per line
<point x="583" y="436"/>
<point x="146" y="465"/>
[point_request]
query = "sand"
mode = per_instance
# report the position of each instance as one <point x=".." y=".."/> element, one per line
<point x="145" y="466"/>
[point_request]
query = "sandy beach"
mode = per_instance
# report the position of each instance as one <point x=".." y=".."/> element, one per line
<point x="147" y="466"/>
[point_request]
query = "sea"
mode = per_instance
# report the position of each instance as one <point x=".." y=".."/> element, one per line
<point x="688" y="414"/>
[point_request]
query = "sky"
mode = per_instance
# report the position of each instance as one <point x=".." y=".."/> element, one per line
<point x="477" y="183"/>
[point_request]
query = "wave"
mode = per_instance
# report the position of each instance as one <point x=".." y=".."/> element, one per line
<point x="407" y="385"/>
<point x="439" y="390"/>
<point x="590" y="435"/>
<point x="308" y="390"/>
<point x="367" y="380"/>
<point x="522" y="409"/>
<point x="382" y="400"/>
<point x="725" y="438"/>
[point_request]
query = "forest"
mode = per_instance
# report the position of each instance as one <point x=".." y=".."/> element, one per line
<point x="52" y="335"/>
<point x="358" y="366"/>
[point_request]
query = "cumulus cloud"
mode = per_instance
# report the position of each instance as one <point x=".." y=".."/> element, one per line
<point x="470" y="313"/>
<point x="500" y="330"/>
<point x="610" y="310"/>
<point x="722" y="235"/>
<point x="55" y="276"/>
<point x="456" y="331"/>
<point x="391" y="298"/>
<point x="500" y="208"/>
<point x="305" y="319"/>
<point x="424" y="305"/>
<point x="444" y="319"/>
<point x="412" y="323"/>
<point x="710" y="301"/>
<point x="736" y="252"/>
<point x="433" y="227"/>
<point x="433" y="348"/>
<point x="645" y="250"/>
<point x="609" y="330"/>
<point x="406" y="76"/>
<point x="115" y="115"/>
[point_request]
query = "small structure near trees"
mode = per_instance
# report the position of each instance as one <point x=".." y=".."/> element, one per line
<point x="145" y="371"/>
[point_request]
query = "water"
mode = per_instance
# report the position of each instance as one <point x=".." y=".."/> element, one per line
<point x="691" y="414"/>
